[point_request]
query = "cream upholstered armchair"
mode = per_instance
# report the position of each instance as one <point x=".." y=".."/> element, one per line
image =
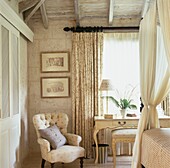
<point x="56" y="144"/>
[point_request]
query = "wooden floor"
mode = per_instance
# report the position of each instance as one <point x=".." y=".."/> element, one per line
<point x="34" y="161"/>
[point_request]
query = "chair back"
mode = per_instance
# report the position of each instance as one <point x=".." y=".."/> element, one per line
<point x="44" y="120"/>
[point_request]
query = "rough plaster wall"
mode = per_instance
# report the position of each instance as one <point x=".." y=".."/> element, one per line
<point x="23" y="97"/>
<point x="46" y="40"/>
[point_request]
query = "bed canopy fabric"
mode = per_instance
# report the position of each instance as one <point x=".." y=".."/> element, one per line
<point x="155" y="84"/>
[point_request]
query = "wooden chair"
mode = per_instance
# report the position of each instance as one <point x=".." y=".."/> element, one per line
<point x="122" y="135"/>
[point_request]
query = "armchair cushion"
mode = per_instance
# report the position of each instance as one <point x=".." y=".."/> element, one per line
<point x="73" y="139"/>
<point x="54" y="136"/>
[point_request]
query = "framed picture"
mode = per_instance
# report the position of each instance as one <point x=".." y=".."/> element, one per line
<point x="53" y="87"/>
<point x="55" y="62"/>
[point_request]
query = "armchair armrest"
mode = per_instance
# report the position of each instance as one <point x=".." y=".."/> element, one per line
<point x="44" y="144"/>
<point x="73" y="139"/>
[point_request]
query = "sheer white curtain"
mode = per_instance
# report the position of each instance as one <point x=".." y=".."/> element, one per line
<point x="121" y="60"/>
<point x="164" y="17"/>
<point x="154" y="77"/>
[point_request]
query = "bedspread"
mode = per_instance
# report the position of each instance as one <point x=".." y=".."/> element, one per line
<point x="155" y="149"/>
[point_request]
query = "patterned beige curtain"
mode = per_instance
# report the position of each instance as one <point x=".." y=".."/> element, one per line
<point x="86" y="76"/>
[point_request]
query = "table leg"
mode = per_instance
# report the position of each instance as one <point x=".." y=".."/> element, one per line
<point x="96" y="143"/>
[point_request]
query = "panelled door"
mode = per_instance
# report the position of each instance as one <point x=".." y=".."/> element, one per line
<point x="9" y="95"/>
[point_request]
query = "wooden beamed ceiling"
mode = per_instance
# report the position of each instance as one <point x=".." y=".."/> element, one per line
<point x="25" y="5"/>
<point x="111" y="7"/>
<point x="117" y="13"/>
<point x="30" y="7"/>
<point x="77" y="14"/>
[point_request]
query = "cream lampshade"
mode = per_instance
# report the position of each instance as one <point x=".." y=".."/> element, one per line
<point x="106" y="85"/>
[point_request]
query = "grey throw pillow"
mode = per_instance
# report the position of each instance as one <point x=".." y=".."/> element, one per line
<point x="54" y="136"/>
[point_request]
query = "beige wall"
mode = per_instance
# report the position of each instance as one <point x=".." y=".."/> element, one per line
<point x="46" y="40"/>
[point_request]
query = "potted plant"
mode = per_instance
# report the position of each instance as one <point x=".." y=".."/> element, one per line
<point x="124" y="102"/>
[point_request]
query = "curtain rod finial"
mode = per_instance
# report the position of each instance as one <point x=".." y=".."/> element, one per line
<point x="66" y="29"/>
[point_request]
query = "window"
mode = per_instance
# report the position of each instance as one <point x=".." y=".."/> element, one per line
<point x="121" y="62"/>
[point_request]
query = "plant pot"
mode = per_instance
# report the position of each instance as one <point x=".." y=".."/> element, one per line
<point x="123" y="113"/>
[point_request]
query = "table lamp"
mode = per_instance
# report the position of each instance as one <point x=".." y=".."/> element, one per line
<point x="106" y="85"/>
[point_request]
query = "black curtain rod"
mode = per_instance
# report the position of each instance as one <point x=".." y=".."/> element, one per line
<point x="97" y="29"/>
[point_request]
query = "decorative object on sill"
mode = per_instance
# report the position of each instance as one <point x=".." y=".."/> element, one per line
<point x="108" y="116"/>
<point x="106" y="85"/>
<point x="131" y="115"/>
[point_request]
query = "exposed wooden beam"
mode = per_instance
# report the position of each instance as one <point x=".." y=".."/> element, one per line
<point x="34" y="10"/>
<point x="111" y="7"/>
<point x="76" y="9"/>
<point x="44" y="15"/>
<point x="145" y="8"/>
<point x="25" y="5"/>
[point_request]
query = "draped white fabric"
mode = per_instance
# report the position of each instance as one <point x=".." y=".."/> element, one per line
<point x="154" y="76"/>
<point x="164" y="17"/>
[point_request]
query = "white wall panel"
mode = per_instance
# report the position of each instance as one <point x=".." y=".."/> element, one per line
<point x="4" y="149"/>
<point x="10" y="115"/>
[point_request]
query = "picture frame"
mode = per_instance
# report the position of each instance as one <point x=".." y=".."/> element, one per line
<point x="55" y="62"/>
<point x="55" y="87"/>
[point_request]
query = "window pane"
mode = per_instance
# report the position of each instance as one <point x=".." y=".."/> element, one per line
<point x="121" y="62"/>
<point x="15" y="79"/>
<point x="5" y="73"/>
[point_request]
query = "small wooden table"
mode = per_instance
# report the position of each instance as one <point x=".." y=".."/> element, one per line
<point x="127" y="122"/>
